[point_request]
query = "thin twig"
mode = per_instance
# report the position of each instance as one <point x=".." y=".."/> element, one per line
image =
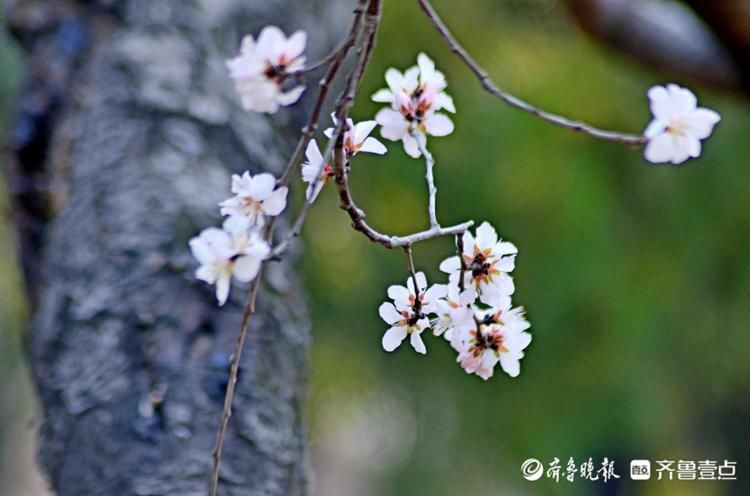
<point x="460" y="252"/>
<point x="413" y="274"/>
<point x="491" y="87"/>
<point x="346" y="202"/>
<point x="233" y="372"/>
<point x="358" y="216"/>
<point x="336" y="53"/>
<point x="365" y="46"/>
<point x="337" y="59"/>
<point x="429" y="164"/>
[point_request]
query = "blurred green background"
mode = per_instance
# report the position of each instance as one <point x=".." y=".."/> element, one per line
<point x="635" y="278"/>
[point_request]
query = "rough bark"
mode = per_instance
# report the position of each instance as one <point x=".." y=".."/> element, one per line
<point x="126" y="134"/>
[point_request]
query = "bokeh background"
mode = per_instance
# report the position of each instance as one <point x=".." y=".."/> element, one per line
<point x="636" y="280"/>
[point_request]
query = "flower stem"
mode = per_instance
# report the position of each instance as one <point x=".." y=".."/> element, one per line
<point x="429" y="164"/>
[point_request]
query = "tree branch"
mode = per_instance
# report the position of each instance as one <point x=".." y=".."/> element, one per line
<point x="335" y="59"/>
<point x="492" y="88"/>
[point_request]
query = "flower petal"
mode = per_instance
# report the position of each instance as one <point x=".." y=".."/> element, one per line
<point x="411" y="147"/>
<point x="701" y="123"/>
<point x="444" y="101"/>
<point x="655" y="127"/>
<point x="261" y="186"/>
<point x="411" y="79"/>
<point x="312" y="193"/>
<point x="435" y="291"/>
<point x="506" y="263"/>
<point x="510" y="364"/>
<point x="383" y="96"/>
<point x="660" y="149"/>
<point x="271" y="42"/>
<point x="398" y="294"/>
<point x="393" y="337"/>
<point x="222" y="288"/>
<point x="417" y="343"/>
<point x="206" y="273"/>
<point x="450" y="264"/>
<point x="290" y="96"/>
<point x="421" y="282"/>
<point x="276" y="203"/>
<point x="683" y="100"/>
<point x="246" y="268"/>
<point x="371" y="145"/>
<point x="438" y="125"/>
<point x="388" y="313"/>
<point x="362" y="130"/>
<point x="394" y="126"/>
<point x="486" y="236"/>
<point x="312" y="153"/>
<point x="395" y="79"/>
<point x="295" y="45"/>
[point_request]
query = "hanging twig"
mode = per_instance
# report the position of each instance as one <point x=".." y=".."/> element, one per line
<point x="336" y="59"/>
<point x="234" y="368"/>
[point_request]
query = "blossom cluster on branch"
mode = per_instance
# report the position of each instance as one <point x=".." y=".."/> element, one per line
<point x="473" y="311"/>
<point x="415" y="98"/>
<point x="238" y="249"/>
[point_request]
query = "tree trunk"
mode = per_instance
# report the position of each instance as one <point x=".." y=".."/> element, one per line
<point x="125" y="137"/>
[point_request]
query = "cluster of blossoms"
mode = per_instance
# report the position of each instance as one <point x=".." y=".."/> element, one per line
<point x="238" y="249"/>
<point x="473" y="311"/>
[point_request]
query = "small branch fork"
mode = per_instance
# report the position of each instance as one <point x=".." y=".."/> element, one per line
<point x="492" y="88"/>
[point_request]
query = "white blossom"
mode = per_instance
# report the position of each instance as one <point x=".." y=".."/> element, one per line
<point x="498" y="336"/>
<point x="256" y="197"/>
<point x="679" y="125"/>
<point x="415" y="97"/>
<point x="487" y="261"/>
<point x="406" y="297"/>
<point x="259" y="70"/>
<point x="454" y="311"/>
<point x="235" y="251"/>
<point x="407" y="315"/>
<point x="314" y="169"/>
<point x="357" y="137"/>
